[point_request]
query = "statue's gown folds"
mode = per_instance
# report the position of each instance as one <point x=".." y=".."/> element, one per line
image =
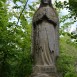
<point x="45" y="36"/>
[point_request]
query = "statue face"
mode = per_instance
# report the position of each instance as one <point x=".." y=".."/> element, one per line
<point x="46" y="1"/>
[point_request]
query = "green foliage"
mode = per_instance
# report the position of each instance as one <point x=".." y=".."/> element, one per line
<point x="71" y="5"/>
<point x="15" y="45"/>
<point x="59" y="4"/>
<point x="68" y="55"/>
<point x="70" y="74"/>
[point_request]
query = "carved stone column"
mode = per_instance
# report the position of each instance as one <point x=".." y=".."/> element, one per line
<point x="45" y="40"/>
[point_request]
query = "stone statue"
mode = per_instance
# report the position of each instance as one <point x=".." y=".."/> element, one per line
<point x="45" y="40"/>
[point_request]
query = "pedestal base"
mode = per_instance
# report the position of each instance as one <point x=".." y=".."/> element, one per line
<point x="44" y="71"/>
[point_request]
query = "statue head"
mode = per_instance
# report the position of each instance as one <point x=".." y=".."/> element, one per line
<point x="47" y="2"/>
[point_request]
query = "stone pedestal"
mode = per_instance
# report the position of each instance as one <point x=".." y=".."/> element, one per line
<point x="44" y="71"/>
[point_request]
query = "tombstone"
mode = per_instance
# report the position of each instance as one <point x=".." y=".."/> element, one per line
<point x="45" y="40"/>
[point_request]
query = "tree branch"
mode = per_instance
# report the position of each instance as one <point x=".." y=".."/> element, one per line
<point x="22" y="11"/>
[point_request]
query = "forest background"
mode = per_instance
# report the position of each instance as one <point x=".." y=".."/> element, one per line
<point x="15" y="37"/>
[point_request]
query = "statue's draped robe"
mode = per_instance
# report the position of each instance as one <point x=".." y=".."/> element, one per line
<point x="44" y="43"/>
<point x="45" y="36"/>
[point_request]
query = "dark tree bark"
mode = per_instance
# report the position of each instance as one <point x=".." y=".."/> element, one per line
<point x="45" y="44"/>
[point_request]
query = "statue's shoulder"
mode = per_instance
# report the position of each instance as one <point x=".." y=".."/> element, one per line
<point x="47" y="11"/>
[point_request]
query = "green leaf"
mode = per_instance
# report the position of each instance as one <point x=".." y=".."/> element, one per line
<point x="15" y="1"/>
<point x="16" y="7"/>
<point x="1" y="4"/>
<point x="4" y="1"/>
<point x="31" y="7"/>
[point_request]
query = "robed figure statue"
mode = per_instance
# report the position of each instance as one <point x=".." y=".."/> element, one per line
<point x="45" y="39"/>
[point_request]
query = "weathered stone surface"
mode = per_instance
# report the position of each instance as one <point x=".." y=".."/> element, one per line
<point x="47" y="11"/>
<point x="44" y="69"/>
<point x="45" y="41"/>
<point x="44" y="75"/>
<point x="45" y="44"/>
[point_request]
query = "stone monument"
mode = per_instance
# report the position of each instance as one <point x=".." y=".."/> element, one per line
<point x="45" y="40"/>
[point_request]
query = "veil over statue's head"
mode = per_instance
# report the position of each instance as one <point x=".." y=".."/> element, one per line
<point x="46" y="1"/>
